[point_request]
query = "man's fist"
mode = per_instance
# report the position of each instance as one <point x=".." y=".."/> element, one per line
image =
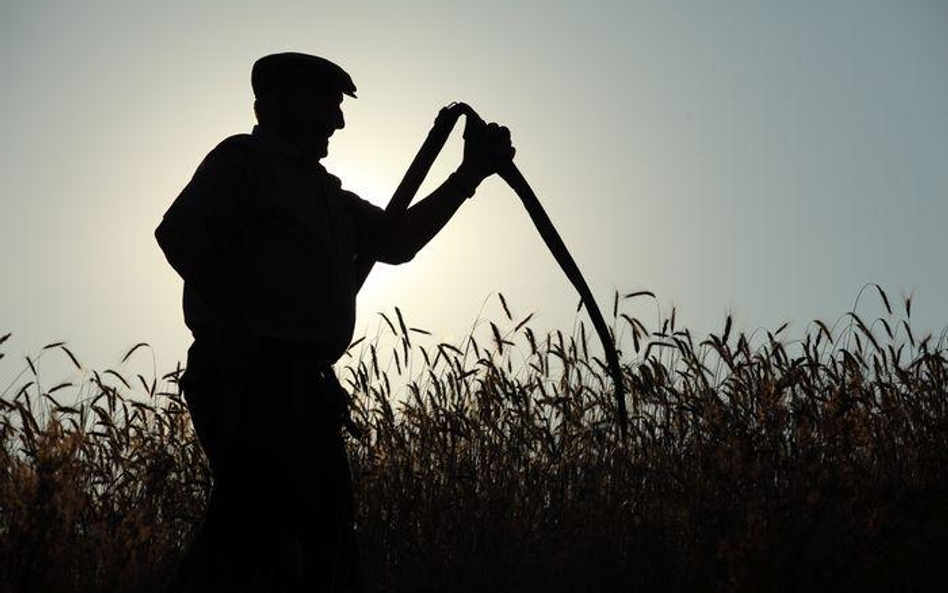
<point x="487" y="147"/>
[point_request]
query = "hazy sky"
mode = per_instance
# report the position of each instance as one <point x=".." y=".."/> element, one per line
<point x="762" y="158"/>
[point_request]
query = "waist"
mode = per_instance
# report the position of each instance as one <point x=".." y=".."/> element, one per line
<point x="268" y="353"/>
<point x="319" y="326"/>
<point x="296" y="351"/>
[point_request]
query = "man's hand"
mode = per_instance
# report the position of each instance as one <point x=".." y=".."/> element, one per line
<point x="487" y="147"/>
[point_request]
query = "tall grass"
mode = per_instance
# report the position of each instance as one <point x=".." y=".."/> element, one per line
<point x="753" y="463"/>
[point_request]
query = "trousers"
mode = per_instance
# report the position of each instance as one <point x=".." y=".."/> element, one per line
<point x="280" y="514"/>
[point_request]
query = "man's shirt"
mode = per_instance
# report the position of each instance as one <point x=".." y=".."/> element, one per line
<point x="289" y="235"/>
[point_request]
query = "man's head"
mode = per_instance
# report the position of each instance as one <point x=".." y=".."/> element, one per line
<point x="300" y="97"/>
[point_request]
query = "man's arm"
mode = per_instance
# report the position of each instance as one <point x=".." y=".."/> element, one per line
<point x="406" y="233"/>
<point x="210" y="210"/>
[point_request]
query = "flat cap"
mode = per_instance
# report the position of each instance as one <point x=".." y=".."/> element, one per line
<point x="291" y="70"/>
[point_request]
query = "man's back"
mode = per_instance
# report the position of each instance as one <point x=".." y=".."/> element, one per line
<point x="289" y="235"/>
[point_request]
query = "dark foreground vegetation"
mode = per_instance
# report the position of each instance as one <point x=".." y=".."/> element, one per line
<point x="752" y="464"/>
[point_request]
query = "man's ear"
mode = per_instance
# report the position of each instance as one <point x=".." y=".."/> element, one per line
<point x="271" y="109"/>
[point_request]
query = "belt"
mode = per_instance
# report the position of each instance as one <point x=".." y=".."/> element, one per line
<point x="304" y="357"/>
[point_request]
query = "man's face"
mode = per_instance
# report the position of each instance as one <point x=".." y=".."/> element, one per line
<point x="316" y="115"/>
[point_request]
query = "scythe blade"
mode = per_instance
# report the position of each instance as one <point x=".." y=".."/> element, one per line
<point x="511" y="174"/>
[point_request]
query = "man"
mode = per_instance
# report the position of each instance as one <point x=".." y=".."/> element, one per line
<point x="266" y="241"/>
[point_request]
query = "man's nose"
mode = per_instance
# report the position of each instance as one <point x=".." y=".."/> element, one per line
<point x="340" y="121"/>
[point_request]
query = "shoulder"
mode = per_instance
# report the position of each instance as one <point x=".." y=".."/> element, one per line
<point x="237" y="146"/>
<point x="232" y="155"/>
<point x="361" y="209"/>
<point x="334" y="185"/>
<point x="352" y="201"/>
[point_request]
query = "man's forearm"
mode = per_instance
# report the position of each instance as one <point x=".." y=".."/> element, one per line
<point x="421" y="222"/>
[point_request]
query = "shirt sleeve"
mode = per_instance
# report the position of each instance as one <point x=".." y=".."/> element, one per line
<point x="372" y="226"/>
<point x="222" y="190"/>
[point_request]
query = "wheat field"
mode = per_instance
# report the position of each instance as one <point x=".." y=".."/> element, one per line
<point x="754" y="462"/>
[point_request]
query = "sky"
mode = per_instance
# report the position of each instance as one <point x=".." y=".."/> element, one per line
<point x="761" y="159"/>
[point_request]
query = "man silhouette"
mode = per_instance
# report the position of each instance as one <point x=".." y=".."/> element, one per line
<point x="266" y="241"/>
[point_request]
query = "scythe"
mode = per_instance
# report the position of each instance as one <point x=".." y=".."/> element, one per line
<point x="406" y="190"/>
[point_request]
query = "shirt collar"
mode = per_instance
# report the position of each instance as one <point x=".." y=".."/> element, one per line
<point x="276" y="142"/>
<point x="283" y="146"/>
